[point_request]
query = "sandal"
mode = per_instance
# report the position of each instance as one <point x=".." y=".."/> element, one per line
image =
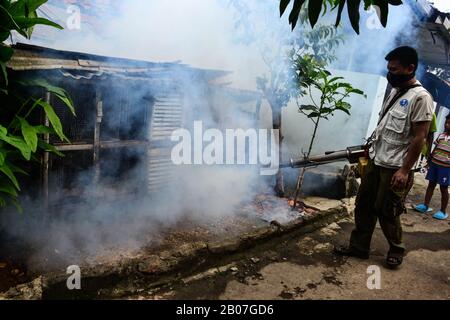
<point x="440" y="215"/>
<point x="394" y="260"/>
<point x="422" y="208"/>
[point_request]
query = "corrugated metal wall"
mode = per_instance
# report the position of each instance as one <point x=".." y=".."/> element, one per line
<point x="167" y="116"/>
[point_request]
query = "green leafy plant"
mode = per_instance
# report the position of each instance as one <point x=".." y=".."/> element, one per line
<point x="19" y="16"/>
<point x="316" y="7"/>
<point x="333" y="92"/>
<point x="21" y="138"/>
<point x="279" y="52"/>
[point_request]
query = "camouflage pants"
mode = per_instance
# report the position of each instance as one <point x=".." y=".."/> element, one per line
<point x="376" y="200"/>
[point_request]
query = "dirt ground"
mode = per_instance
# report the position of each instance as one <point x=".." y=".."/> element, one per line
<point x="304" y="267"/>
<point x="21" y="262"/>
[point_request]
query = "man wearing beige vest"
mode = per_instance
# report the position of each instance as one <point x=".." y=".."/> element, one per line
<point x="397" y="143"/>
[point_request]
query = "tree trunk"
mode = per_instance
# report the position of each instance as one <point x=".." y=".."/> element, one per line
<point x="276" y="124"/>
<point x="301" y="177"/>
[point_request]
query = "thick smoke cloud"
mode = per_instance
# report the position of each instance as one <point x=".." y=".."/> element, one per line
<point x="201" y="33"/>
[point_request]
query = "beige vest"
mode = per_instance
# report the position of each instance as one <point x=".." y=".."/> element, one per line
<point x="394" y="134"/>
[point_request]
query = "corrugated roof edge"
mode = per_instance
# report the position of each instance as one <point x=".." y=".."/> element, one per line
<point x="73" y="55"/>
<point x="49" y="53"/>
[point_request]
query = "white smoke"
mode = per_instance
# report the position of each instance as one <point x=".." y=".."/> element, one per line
<point x="204" y="34"/>
<point x="197" y="32"/>
<point x="442" y="5"/>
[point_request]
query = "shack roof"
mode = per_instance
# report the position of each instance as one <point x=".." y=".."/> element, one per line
<point x="30" y="57"/>
<point x="433" y="35"/>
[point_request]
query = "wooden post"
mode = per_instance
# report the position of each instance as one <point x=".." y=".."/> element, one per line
<point x="277" y="124"/>
<point x="45" y="162"/>
<point x="98" y="121"/>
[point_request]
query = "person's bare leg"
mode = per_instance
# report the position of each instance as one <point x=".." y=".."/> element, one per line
<point x="444" y="198"/>
<point x="429" y="193"/>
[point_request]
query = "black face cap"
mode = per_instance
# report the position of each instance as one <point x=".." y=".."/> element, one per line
<point x="405" y="55"/>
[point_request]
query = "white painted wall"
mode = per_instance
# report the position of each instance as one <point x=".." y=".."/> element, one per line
<point x="341" y="130"/>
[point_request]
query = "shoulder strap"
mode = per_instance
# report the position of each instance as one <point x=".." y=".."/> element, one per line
<point x="397" y="96"/>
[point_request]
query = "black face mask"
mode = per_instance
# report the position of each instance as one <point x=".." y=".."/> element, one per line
<point x="398" y="79"/>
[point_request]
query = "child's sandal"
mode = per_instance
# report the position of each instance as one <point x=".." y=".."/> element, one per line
<point x="422" y="208"/>
<point x="440" y="215"/>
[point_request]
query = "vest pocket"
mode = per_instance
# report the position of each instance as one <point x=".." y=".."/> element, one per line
<point x="395" y="139"/>
<point x="396" y="121"/>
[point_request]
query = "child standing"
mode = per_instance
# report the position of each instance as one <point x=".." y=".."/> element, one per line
<point x="438" y="173"/>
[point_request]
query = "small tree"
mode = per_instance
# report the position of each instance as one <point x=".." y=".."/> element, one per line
<point x="333" y="94"/>
<point x="279" y="51"/>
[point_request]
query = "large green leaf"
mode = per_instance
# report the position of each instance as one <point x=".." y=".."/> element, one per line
<point x="384" y="11"/>
<point x="30" y="110"/>
<point x="283" y="6"/>
<point x="335" y="79"/>
<point x="57" y="91"/>
<point x="6" y="170"/>
<point x="395" y="2"/>
<point x="26" y="23"/>
<point x="367" y="4"/>
<point x="21" y="16"/>
<point x="33" y="5"/>
<point x="19" y="144"/>
<point x="353" y="7"/>
<point x="307" y="107"/>
<point x="2" y="157"/>
<point x="24" y="8"/>
<point x="31" y="29"/>
<point x="356" y="91"/>
<point x="6" y="53"/>
<point x="29" y="134"/>
<point x="54" y="120"/>
<point x="8" y="21"/>
<point x="325" y="111"/>
<point x="43" y="130"/>
<point x="314" y="8"/>
<point x="16" y="169"/>
<point x="50" y="148"/>
<point x="339" y="14"/>
<point x="3" y="131"/>
<point x="8" y="189"/>
<point x="342" y="108"/>
<point x="293" y="17"/>
<point x="314" y="114"/>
